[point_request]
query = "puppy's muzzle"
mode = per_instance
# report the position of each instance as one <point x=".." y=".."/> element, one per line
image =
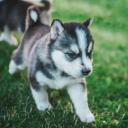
<point x="86" y="71"/>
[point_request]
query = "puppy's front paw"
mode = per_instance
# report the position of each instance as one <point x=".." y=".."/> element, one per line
<point x="43" y="107"/>
<point x="88" y="117"/>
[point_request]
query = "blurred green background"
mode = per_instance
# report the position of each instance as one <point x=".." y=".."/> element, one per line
<point x="108" y="85"/>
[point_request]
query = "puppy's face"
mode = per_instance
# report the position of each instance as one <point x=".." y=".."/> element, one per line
<point x="72" y="48"/>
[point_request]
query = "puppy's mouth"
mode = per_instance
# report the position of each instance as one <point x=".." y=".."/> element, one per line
<point x="81" y="75"/>
<point x="71" y="76"/>
<point x="77" y="75"/>
<point x="86" y="73"/>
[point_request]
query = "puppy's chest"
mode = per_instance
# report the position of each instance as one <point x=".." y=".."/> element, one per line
<point x="56" y="79"/>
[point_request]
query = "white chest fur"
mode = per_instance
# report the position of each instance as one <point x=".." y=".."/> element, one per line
<point x="58" y="82"/>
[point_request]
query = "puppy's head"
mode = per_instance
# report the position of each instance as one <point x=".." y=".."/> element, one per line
<point x="71" y="47"/>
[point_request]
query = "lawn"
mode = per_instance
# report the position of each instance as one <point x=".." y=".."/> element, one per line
<point x="108" y="85"/>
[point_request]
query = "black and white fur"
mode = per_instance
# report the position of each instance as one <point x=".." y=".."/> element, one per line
<point x="13" y="16"/>
<point x="57" y="57"/>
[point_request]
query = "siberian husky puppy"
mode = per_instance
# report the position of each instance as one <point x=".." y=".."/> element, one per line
<point x="57" y="56"/>
<point x="13" y="15"/>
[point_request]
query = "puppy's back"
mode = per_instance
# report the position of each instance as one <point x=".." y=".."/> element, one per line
<point x="34" y="31"/>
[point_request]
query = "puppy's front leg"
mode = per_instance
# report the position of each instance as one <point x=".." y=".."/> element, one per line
<point x="40" y="96"/>
<point x="78" y="95"/>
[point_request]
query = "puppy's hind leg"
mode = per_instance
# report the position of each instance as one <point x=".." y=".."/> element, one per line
<point x="17" y="62"/>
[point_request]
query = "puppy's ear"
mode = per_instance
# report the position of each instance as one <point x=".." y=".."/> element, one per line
<point x="56" y="29"/>
<point x="32" y="16"/>
<point x="88" y="22"/>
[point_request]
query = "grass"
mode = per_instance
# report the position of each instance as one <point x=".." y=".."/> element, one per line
<point x="108" y="85"/>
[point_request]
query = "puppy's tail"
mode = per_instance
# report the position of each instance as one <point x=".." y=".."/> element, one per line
<point x="33" y="16"/>
<point x="38" y="13"/>
<point x="46" y="4"/>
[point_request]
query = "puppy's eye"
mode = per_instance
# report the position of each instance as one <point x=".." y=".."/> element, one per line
<point x="71" y="55"/>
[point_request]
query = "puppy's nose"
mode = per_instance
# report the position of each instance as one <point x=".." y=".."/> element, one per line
<point x="86" y="71"/>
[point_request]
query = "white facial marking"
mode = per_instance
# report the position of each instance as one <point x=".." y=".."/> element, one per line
<point x="81" y="35"/>
<point x="82" y="40"/>
<point x="34" y="15"/>
<point x="73" y="67"/>
<point x="74" y="48"/>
